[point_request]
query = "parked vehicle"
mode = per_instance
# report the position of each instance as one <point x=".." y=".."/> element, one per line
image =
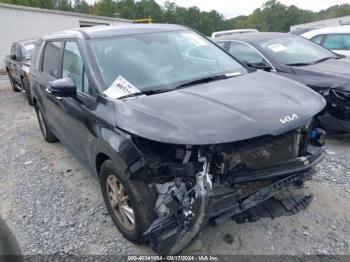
<point x="176" y="131"/>
<point x="301" y="60"/>
<point x="17" y="66"/>
<point x="335" y="38"/>
<point x="300" y="31"/>
<point x="232" y="32"/>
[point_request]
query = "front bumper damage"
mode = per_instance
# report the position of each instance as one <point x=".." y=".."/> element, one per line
<point x="278" y="178"/>
<point x="337" y="113"/>
<point x="197" y="193"/>
<point x="172" y="231"/>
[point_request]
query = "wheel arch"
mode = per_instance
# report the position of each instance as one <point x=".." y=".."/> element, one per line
<point x="118" y="147"/>
<point x="100" y="159"/>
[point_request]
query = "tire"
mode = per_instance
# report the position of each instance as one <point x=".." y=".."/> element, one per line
<point x="26" y="87"/>
<point x="45" y="130"/>
<point x="140" y="199"/>
<point x="13" y="84"/>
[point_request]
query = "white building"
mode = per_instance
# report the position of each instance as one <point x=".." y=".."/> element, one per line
<point x="21" y="23"/>
<point x="344" y="20"/>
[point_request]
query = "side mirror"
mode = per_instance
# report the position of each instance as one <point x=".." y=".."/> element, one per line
<point x="63" y="87"/>
<point x="259" y="66"/>
<point x="13" y="57"/>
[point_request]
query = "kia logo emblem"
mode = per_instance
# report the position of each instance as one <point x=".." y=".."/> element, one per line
<point x="287" y="119"/>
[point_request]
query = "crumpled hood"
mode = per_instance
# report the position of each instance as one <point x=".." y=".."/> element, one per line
<point x="222" y="111"/>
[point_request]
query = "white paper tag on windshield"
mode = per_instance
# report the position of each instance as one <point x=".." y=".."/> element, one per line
<point x="195" y="39"/>
<point x="120" y="87"/>
<point x="277" y="48"/>
<point x="233" y="74"/>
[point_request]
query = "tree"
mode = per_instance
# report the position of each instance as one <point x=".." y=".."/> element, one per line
<point x="63" y="5"/>
<point x="271" y="16"/>
<point x="48" y="4"/>
<point x="127" y="9"/>
<point x="104" y="8"/>
<point x="81" y="7"/>
<point x="169" y="12"/>
<point x="149" y="8"/>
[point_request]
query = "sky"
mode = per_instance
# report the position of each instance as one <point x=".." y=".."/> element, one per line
<point x="232" y="8"/>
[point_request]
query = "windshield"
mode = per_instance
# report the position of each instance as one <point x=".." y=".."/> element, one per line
<point x="27" y="51"/>
<point x="295" y="50"/>
<point x="160" y="60"/>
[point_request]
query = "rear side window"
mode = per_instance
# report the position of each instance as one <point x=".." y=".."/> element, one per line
<point x="317" y="39"/>
<point x="13" y="50"/>
<point x="51" y="58"/>
<point x="36" y="54"/>
<point x="246" y="54"/>
<point x="27" y="50"/>
<point x="18" y="52"/>
<point x="221" y="44"/>
<point x="337" y="42"/>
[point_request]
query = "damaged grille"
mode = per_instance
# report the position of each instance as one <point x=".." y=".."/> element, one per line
<point x="262" y="152"/>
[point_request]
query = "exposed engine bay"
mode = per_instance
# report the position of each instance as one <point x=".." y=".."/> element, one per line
<point x="196" y="183"/>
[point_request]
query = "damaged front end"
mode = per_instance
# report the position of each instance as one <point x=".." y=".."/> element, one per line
<point x="198" y="183"/>
<point x="337" y="113"/>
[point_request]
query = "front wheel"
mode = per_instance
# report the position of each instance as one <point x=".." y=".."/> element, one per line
<point x="45" y="129"/>
<point x="129" y="202"/>
<point x="13" y="84"/>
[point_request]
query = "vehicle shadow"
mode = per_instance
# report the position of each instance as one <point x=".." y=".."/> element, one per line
<point x="9" y="249"/>
<point x="340" y="137"/>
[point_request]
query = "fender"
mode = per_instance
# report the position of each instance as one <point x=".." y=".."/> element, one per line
<point x="119" y="147"/>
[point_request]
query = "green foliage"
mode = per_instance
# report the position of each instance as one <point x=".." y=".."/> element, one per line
<point x="271" y="16"/>
<point x="82" y="7"/>
<point x="145" y="9"/>
<point x="104" y="8"/>
<point x="63" y="5"/>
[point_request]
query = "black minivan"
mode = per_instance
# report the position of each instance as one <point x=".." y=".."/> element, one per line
<point x="175" y="129"/>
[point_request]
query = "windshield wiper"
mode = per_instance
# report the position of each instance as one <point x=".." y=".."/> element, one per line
<point x="146" y="92"/>
<point x="323" y="59"/>
<point x="299" y="64"/>
<point x="339" y="56"/>
<point x="316" y="62"/>
<point x="190" y="83"/>
<point x="207" y="80"/>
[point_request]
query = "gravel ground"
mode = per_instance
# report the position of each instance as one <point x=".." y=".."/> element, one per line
<point x="54" y="206"/>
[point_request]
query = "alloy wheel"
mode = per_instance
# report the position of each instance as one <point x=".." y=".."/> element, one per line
<point x="119" y="201"/>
